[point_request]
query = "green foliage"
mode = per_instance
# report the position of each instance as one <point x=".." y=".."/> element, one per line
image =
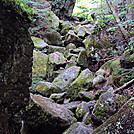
<point x="125" y="74"/>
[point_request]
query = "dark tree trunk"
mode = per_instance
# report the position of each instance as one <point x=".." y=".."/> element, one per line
<point x="15" y="66"/>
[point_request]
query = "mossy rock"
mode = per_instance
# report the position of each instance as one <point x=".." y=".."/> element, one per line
<point x="82" y="58"/>
<point x="40" y="63"/>
<point x="38" y="43"/>
<point x="43" y="115"/>
<point x="66" y="77"/>
<point x="47" y="88"/>
<point x="83" y="81"/>
<point x="107" y="105"/>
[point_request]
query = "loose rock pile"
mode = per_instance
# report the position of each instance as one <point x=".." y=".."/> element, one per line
<point x="67" y="88"/>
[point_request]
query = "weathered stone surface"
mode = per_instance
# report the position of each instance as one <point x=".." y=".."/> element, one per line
<point x="71" y="37"/>
<point x="40" y="63"/>
<point x="121" y="122"/>
<point x="47" y="88"/>
<point x="58" y="97"/>
<point x="98" y="79"/>
<point x="45" y="116"/>
<point x="80" y="30"/>
<point x="65" y="78"/>
<point x="52" y="49"/>
<point x="83" y="59"/>
<point x="65" y="27"/>
<point x="72" y="105"/>
<point x="57" y="58"/>
<point x="84" y="81"/>
<point x="107" y="105"/>
<point x="53" y="38"/>
<point x="39" y="43"/>
<point x="82" y="109"/>
<point x="15" y="66"/>
<point x="78" y="128"/>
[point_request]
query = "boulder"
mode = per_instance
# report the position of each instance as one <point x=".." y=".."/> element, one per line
<point x="53" y="49"/>
<point x="82" y="82"/>
<point x="40" y="63"/>
<point x="82" y="109"/>
<point x="98" y="80"/>
<point x="64" y="79"/>
<point x="53" y="38"/>
<point x="57" y="58"/>
<point x="39" y="43"/>
<point x="80" y="30"/>
<point x="107" y="105"/>
<point x="45" y="116"/>
<point x="72" y="105"/>
<point x="82" y="58"/>
<point x="47" y="88"/>
<point x="78" y="128"/>
<point x="58" y="97"/>
<point x="121" y="122"/>
<point x="71" y="37"/>
<point x="65" y="27"/>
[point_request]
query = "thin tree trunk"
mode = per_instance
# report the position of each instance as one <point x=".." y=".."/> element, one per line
<point x="117" y="19"/>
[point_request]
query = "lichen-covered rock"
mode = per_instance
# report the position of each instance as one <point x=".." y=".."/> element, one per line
<point x="121" y="122"/>
<point x="82" y="109"/>
<point x="40" y="63"/>
<point x="38" y="43"/>
<point x="47" y="88"/>
<point x="65" y="27"/>
<point x="98" y="79"/>
<point x="45" y="116"/>
<point x="82" y="82"/>
<point x="16" y="50"/>
<point x="72" y="105"/>
<point x="57" y="58"/>
<point x="58" y="97"/>
<point x="107" y="105"/>
<point x="80" y="30"/>
<point x="53" y="49"/>
<point x="70" y="46"/>
<point x="87" y="95"/>
<point x="83" y="59"/>
<point x="71" y="37"/>
<point x="53" y="38"/>
<point x="64" y="79"/>
<point x="78" y="128"/>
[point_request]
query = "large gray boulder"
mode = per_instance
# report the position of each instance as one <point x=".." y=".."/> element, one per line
<point x="64" y="79"/>
<point x="82" y="82"/>
<point x="45" y="116"/>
